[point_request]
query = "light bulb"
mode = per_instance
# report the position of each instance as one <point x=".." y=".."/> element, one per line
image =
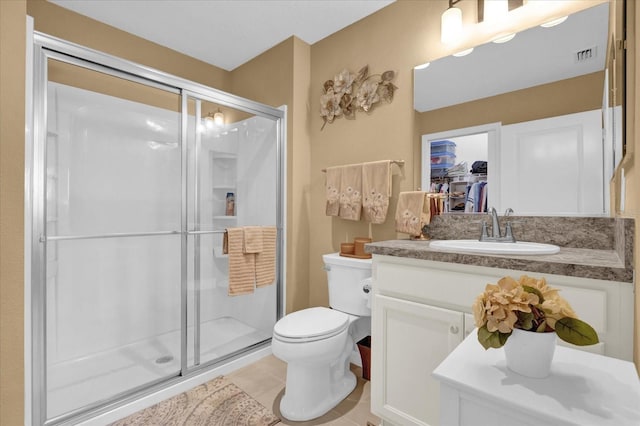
<point x="209" y="121"/>
<point x="451" y="26"/>
<point x="495" y="10"/>
<point x="218" y="117"/>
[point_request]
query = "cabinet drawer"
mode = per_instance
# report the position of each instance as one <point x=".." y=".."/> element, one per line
<point x="433" y="286"/>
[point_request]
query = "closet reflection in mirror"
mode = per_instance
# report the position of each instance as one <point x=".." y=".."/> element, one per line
<point x="459" y="169"/>
<point x="543" y="108"/>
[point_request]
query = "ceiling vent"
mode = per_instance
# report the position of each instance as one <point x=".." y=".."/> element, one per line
<point x="585" y="55"/>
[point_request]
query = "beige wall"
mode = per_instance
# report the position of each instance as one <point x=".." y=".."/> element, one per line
<point x="395" y="38"/>
<point x="298" y="185"/>
<point x="398" y="37"/>
<point x="629" y="163"/>
<point x="569" y="96"/>
<point x="277" y="77"/>
<point x="12" y="104"/>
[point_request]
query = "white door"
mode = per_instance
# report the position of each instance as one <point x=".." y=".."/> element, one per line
<point x="410" y="341"/>
<point x="539" y="171"/>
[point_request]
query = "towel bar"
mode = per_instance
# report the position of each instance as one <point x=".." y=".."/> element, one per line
<point x="398" y="162"/>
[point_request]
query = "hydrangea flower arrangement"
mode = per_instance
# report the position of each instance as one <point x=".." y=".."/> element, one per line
<point x="528" y="304"/>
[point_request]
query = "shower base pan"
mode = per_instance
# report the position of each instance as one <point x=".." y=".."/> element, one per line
<point x="99" y="377"/>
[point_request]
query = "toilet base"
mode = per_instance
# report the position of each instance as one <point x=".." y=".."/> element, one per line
<point x="295" y="407"/>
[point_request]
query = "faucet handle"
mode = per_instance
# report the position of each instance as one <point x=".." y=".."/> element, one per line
<point x="508" y="232"/>
<point x="508" y="211"/>
<point x="484" y="233"/>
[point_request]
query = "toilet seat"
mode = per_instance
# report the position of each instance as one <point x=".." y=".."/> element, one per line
<point x="310" y="324"/>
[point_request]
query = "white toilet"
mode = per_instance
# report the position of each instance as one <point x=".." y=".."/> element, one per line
<point x="317" y="343"/>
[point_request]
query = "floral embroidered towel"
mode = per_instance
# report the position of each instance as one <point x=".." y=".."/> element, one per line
<point x="351" y="192"/>
<point x="332" y="188"/>
<point x="376" y="190"/>
<point x="412" y="213"/>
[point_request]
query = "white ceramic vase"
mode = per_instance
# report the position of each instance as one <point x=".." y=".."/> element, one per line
<point x="529" y="353"/>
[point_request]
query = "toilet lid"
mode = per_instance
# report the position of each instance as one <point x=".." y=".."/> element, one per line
<point x="310" y="323"/>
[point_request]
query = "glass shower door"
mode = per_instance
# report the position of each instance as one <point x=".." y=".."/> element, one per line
<point x="232" y="182"/>
<point x="111" y="236"/>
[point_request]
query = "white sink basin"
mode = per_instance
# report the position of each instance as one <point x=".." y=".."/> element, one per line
<point x="491" y="247"/>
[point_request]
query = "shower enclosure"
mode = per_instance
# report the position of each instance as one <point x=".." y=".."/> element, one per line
<point x="129" y="181"/>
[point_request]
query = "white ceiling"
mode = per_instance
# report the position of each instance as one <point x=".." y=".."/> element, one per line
<point x="226" y="33"/>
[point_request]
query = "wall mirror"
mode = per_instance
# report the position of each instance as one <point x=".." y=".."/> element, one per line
<point x="539" y="103"/>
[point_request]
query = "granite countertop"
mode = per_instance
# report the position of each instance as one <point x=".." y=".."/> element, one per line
<point x="577" y="262"/>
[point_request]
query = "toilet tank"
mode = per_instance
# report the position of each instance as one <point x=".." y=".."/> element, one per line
<point x="345" y="276"/>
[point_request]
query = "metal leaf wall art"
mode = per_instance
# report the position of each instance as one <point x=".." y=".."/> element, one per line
<point x="348" y="92"/>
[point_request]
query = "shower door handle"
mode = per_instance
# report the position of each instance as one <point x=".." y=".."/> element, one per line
<point x="219" y="231"/>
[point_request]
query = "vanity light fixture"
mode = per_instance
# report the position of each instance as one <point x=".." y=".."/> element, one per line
<point x="495" y="10"/>
<point x="554" y="22"/>
<point x="423" y="66"/>
<point x="451" y="24"/>
<point x="209" y="121"/>
<point x="218" y="118"/>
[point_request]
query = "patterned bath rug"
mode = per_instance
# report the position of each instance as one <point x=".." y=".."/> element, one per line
<point x="215" y="403"/>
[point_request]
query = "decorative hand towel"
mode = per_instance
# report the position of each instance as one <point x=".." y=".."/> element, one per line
<point x="252" y="239"/>
<point x="332" y="188"/>
<point x="376" y="190"/>
<point x="266" y="259"/>
<point x="412" y="213"/>
<point x="351" y="192"/>
<point x="242" y="267"/>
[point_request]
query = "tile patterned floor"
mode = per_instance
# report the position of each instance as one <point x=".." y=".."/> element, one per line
<point x="265" y="381"/>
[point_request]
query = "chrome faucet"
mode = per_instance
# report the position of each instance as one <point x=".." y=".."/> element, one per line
<point x="496" y="233"/>
<point x="495" y="224"/>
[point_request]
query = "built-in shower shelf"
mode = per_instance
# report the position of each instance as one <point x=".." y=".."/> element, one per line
<point x="220" y="155"/>
<point x="225" y="217"/>
<point x="230" y="186"/>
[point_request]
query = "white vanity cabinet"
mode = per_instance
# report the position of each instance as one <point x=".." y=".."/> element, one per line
<point x="422" y="310"/>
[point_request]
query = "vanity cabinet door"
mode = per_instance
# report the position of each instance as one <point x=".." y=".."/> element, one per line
<point x="409" y="341"/>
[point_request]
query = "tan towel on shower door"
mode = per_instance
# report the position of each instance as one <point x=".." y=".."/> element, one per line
<point x="376" y="190"/>
<point x="242" y="267"/>
<point x="351" y="192"/>
<point x="332" y="190"/>
<point x="412" y="213"/>
<point x="266" y="259"/>
<point x="252" y="239"/>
